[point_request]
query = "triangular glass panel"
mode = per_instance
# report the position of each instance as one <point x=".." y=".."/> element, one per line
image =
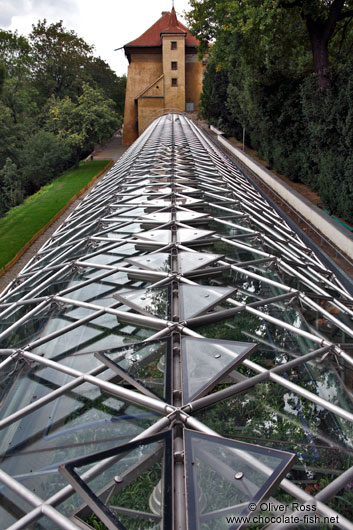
<point x="159" y="188"/>
<point x="196" y="299"/>
<point x="186" y="189"/>
<point x="145" y="365"/>
<point x="207" y="361"/>
<point x="189" y="216"/>
<point x="184" y="200"/>
<point x="152" y="189"/>
<point x="158" y="261"/>
<point x="160" y="203"/>
<point x="225" y="477"/>
<point x="160" y="236"/>
<point x="157" y="217"/>
<point x="134" y="488"/>
<point x="151" y="301"/>
<point x="190" y="261"/>
<point x="190" y="234"/>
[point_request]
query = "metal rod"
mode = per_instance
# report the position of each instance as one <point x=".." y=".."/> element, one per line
<point x="228" y="313"/>
<point x="32" y="498"/>
<point x="116" y="390"/>
<point x="125" y="316"/>
<point x="20" y="321"/>
<point x="285" y="484"/>
<point x="252" y="381"/>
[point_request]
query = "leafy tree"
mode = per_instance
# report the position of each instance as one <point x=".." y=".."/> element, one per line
<point x="83" y="124"/>
<point x="272" y="24"/>
<point x="59" y="59"/>
<point x="104" y="78"/>
<point x="43" y="157"/>
<point x="56" y="101"/>
<point x="10" y="186"/>
<point x="2" y="76"/>
<point x="321" y="19"/>
<point x="15" y="54"/>
<point x="288" y="70"/>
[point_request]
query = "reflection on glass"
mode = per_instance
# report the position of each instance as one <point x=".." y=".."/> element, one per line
<point x="151" y="301"/>
<point x="77" y="423"/>
<point x="158" y="261"/>
<point x="190" y="261"/>
<point x="162" y="236"/>
<point x="184" y="216"/>
<point x="224" y="476"/>
<point x="160" y="217"/>
<point x="189" y="234"/>
<point x="145" y="364"/>
<point x="138" y="478"/>
<point x="196" y="299"/>
<point x="206" y="361"/>
<point x="272" y="413"/>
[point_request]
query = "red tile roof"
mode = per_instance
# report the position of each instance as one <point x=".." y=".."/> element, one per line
<point x="168" y="23"/>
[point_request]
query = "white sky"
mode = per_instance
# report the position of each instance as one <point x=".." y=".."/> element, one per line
<point x="107" y="24"/>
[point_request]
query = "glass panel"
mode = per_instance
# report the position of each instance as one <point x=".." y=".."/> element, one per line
<point x="158" y="261"/>
<point x="160" y="217"/>
<point x="206" y="361"/>
<point x="190" y="261"/>
<point x="138" y="478"/>
<point x="188" y="234"/>
<point x="163" y="236"/>
<point x="151" y="301"/>
<point x="271" y="415"/>
<point x="13" y="506"/>
<point x="224" y="476"/>
<point x="82" y="420"/>
<point x="147" y="364"/>
<point x="196" y="299"/>
<point x="183" y="235"/>
<point x="182" y="200"/>
<point x="189" y="216"/>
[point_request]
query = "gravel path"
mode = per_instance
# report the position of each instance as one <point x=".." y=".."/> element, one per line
<point x="112" y="150"/>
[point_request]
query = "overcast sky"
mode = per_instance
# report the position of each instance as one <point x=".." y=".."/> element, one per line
<point x="107" y="24"/>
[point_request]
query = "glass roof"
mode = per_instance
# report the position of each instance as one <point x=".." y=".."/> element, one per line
<point x="174" y="353"/>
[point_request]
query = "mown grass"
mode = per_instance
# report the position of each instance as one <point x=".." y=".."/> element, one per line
<point x="21" y="223"/>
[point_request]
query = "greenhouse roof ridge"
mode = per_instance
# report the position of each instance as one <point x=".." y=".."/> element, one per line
<point x="176" y="338"/>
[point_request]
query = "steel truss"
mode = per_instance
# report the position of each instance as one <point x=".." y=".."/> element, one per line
<point x="174" y="240"/>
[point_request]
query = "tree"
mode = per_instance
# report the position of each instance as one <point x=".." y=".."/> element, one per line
<point x="10" y="186"/>
<point x="295" y="106"/>
<point x="15" y="54"/>
<point x="104" y="78"/>
<point x="59" y="59"/>
<point x="262" y="21"/>
<point x="43" y="157"/>
<point x="321" y="20"/>
<point x="83" y="124"/>
<point x="2" y="76"/>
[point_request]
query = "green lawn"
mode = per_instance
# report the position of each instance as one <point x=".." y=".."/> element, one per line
<point x="21" y="223"/>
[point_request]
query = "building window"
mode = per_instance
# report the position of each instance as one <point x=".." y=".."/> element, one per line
<point x="173" y="45"/>
<point x="174" y="81"/>
<point x="174" y="65"/>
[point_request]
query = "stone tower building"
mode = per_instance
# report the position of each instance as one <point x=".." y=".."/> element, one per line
<point x="164" y="74"/>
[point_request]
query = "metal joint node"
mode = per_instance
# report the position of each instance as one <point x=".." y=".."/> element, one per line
<point x="179" y="457"/>
<point x="54" y="302"/>
<point x="76" y="268"/>
<point x="291" y="300"/>
<point x="172" y="326"/>
<point x="177" y="394"/>
<point x="181" y="325"/>
<point x="324" y="357"/>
